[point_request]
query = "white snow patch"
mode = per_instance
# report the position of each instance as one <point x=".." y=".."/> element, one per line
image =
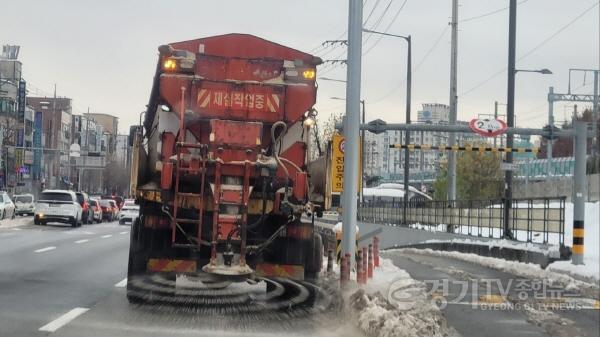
<point x="590" y="270"/>
<point x="526" y="270"/>
<point x="16" y="222"/>
<point x="393" y="304"/>
<point x="549" y="250"/>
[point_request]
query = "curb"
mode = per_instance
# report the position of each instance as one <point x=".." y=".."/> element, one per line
<point x="505" y="253"/>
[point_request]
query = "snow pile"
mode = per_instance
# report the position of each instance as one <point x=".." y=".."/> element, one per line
<point x="526" y="270"/>
<point x="549" y="250"/>
<point x="16" y="222"/>
<point x="392" y="304"/>
<point x="590" y="270"/>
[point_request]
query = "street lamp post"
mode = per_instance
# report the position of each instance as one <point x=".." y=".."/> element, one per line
<point x="408" y="101"/>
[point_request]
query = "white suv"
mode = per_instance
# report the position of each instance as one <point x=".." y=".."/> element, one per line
<point x="58" y="206"/>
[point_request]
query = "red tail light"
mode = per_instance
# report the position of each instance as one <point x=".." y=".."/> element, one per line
<point x="86" y="205"/>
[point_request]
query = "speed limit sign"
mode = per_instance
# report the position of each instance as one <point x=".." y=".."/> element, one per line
<point x="488" y="127"/>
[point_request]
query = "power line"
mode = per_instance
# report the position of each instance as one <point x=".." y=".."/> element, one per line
<point x="419" y="64"/>
<point x="435" y="44"/>
<point x="387" y="28"/>
<point x="489" y="13"/>
<point x="321" y="47"/>
<point x="374" y="27"/>
<point x="531" y="51"/>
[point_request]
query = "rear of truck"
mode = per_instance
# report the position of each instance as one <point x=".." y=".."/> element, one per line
<point x="220" y="165"/>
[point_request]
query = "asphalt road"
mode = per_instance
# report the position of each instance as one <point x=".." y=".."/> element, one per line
<point x="483" y="302"/>
<point x="61" y="281"/>
<point x="69" y="282"/>
<point x="48" y="271"/>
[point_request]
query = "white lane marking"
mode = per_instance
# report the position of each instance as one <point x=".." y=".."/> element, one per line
<point x="44" y="249"/>
<point x="79" y="232"/>
<point x="63" y="320"/>
<point x="82" y="241"/>
<point x="106" y="236"/>
<point x="121" y="283"/>
<point x="124" y="232"/>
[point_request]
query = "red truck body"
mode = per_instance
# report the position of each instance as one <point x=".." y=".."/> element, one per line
<point x="220" y="169"/>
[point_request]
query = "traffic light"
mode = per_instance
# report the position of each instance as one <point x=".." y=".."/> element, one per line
<point x="550" y="132"/>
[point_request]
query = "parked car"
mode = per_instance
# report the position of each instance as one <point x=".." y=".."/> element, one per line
<point x="109" y="209"/>
<point x="96" y="210"/>
<point x="116" y="209"/>
<point x="118" y="200"/>
<point x="84" y="200"/>
<point x="24" y="204"/>
<point x="58" y="206"/>
<point x="7" y="207"/>
<point x="129" y="213"/>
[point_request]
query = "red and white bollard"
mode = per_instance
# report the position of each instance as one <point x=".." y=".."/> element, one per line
<point x="344" y="270"/>
<point x="365" y="261"/>
<point x="376" y="251"/>
<point x="360" y="272"/>
<point x="370" y="262"/>
<point x="329" y="261"/>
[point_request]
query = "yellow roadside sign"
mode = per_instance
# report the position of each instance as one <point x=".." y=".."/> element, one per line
<point x="337" y="164"/>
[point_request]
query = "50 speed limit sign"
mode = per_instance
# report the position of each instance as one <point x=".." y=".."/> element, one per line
<point x="488" y="127"/>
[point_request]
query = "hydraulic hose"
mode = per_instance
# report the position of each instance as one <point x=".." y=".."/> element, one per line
<point x="276" y="140"/>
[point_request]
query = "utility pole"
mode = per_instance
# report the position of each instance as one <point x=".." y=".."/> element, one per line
<point x="550" y="123"/>
<point x="352" y="148"/>
<point x="453" y="101"/>
<point x="595" y="146"/>
<point x="362" y="154"/>
<point x="495" y="117"/>
<point x="53" y="135"/>
<point x="421" y="158"/>
<point x="510" y="112"/>
<point x="407" y="134"/>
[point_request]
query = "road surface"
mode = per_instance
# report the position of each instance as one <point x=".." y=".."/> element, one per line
<point x="509" y="308"/>
<point x="63" y="281"/>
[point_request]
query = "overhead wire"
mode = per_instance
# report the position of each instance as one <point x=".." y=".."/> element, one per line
<point x="530" y="51"/>
<point x="489" y="13"/>
<point x="374" y="27"/>
<point x="419" y="64"/>
<point x="328" y="67"/>
<point x="387" y="28"/>
<point x="321" y="47"/>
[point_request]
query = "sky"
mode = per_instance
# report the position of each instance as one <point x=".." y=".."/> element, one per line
<point x="103" y="54"/>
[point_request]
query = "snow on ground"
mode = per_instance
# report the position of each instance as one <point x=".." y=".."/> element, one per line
<point x="550" y="250"/>
<point x="392" y="304"/>
<point x="526" y="270"/>
<point x="591" y="256"/>
<point x="16" y="222"/>
<point x="590" y="270"/>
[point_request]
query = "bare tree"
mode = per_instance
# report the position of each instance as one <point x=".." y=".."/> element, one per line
<point x="322" y="133"/>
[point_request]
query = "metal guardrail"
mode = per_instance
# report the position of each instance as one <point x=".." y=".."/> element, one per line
<point x="529" y="219"/>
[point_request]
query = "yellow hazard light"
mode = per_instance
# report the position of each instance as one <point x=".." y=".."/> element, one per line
<point x="309" y="74"/>
<point x="40" y="215"/>
<point x="170" y="65"/>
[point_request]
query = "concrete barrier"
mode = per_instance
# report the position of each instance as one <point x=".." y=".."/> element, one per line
<point x="483" y="250"/>
<point x="402" y="237"/>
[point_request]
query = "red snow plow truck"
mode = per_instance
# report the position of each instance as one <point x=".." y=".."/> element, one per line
<point x="219" y="166"/>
